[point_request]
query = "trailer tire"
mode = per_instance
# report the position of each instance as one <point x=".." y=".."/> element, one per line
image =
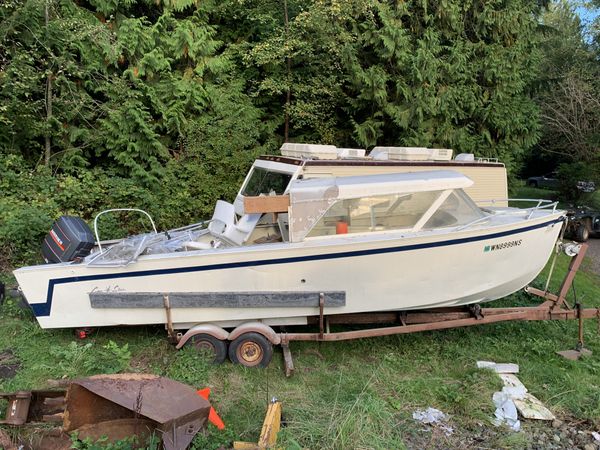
<point x="207" y="343"/>
<point x="582" y="233"/>
<point x="251" y="350"/>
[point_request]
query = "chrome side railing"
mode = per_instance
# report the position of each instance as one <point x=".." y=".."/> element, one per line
<point x="114" y="210"/>
<point x="541" y="204"/>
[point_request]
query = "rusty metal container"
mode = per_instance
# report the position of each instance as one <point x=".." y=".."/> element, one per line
<point x="118" y="405"/>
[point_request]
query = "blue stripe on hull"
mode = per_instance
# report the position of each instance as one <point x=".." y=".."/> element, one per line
<point x="43" y="309"/>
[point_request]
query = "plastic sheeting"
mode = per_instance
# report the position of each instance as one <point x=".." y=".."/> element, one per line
<point x="506" y="410"/>
<point x="130" y="249"/>
<point x="307" y="208"/>
<point x="434" y="417"/>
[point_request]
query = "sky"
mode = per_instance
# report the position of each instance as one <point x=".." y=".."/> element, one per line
<point x="587" y="15"/>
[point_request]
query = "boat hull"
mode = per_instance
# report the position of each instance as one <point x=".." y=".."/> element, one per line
<point x="382" y="273"/>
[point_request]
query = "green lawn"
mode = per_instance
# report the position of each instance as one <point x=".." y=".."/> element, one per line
<point x="522" y="191"/>
<point x="358" y="394"/>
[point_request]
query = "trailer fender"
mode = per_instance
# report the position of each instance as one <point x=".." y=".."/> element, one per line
<point x="204" y="328"/>
<point x="256" y="327"/>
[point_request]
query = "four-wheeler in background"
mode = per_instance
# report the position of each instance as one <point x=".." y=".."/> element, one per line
<point x="583" y="223"/>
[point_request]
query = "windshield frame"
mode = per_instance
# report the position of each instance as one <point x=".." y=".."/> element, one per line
<point x="274" y="166"/>
<point x="254" y="172"/>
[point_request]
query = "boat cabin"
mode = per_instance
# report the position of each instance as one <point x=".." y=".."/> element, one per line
<point x="295" y="210"/>
<point x="272" y="174"/>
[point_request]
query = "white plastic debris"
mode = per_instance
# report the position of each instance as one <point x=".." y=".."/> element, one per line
<point x="514" y="397"/>
<point x="498" y="367"/>
<point x="531" y="408"/>
<point x="506" y="410"/>
<point x="429" y="415"/>
<point x="432" y="416"/>
<point x="511" y="380"/>
<point x="596" y="436"/>
<point x="485" y="364"/>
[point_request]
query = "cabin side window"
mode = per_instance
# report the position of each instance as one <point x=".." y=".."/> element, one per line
<point x="267" y="182"/>
<point x="376" y="213"/>
<point x="458" y="209"/>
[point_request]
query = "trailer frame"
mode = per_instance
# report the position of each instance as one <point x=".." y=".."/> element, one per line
<point x="554" y="307"/>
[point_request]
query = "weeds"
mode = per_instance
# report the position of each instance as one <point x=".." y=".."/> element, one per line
<point x="130" y="443"/>
<point x="85" y="359"/>
<point x="190" y="367"/>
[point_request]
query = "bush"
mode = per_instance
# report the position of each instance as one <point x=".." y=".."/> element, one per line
<point x="212" y="161"/>
<point x="33" y="199"/>
<point x="571" y="173"/>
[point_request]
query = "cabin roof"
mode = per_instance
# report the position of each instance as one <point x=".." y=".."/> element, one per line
<point x="367" y="161"/>
<point x="381" y="184"/>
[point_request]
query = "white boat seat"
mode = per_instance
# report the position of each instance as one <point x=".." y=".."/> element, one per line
<point x="223" y="224"/>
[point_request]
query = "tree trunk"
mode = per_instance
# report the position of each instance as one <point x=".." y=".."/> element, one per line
<point x="286" y="129"/>
<point x="48" y="99"/>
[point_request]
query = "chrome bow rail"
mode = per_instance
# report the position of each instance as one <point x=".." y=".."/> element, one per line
<point x="541" y="204"/>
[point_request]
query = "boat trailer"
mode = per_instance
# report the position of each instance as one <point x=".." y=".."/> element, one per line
<point x="554" y="307"/>
<point x="251" y="342"/>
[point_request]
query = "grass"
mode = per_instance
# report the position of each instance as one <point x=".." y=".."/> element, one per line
<point x="521" y="190"/>
<point x="358" y="394"/>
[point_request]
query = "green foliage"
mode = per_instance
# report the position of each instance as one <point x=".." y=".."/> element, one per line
<point x="121" y="87"/>
<point x="569" y="174"/>
<point x="64" y="52"/>
<point x="569" y="91"/>
<point x="89" y="358"/>
<point x="190" y="367"/>
<point x="122" y="444"/>
<point x="364" y="72"/>
<point x="455" y="76"/>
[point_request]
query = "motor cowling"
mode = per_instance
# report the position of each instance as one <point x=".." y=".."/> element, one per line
<point x="69" y="238"/>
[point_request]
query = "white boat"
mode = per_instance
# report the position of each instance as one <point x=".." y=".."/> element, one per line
<point x="385" y="242"/>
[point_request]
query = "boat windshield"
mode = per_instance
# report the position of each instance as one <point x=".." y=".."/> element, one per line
<point x="458" y="209"/>
<point x="375" y="213"/>
<point x="396" y="212"/>
<point x="268" y="182"/>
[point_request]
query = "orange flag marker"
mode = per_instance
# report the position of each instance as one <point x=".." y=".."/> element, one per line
<point x="213" y="417"/>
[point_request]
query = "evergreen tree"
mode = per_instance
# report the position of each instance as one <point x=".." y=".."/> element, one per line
<point x="569" y="96"/>
<point x="121" y="84"/>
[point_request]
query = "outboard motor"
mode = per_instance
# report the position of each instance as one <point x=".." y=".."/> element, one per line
<point x="70" y="238"/>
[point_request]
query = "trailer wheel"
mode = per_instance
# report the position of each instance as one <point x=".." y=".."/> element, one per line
<point x="582" y="233"/>
<point x="211" y="345"/>
<point x="251" y="350"/>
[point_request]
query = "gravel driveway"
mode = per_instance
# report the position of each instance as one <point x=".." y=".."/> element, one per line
<point x="594" y="255"/>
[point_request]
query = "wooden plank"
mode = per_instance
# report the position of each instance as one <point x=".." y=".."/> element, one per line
<point x="266" y="204"/>
<point x="285" y="299"/>
<point x="288" y="362"/>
